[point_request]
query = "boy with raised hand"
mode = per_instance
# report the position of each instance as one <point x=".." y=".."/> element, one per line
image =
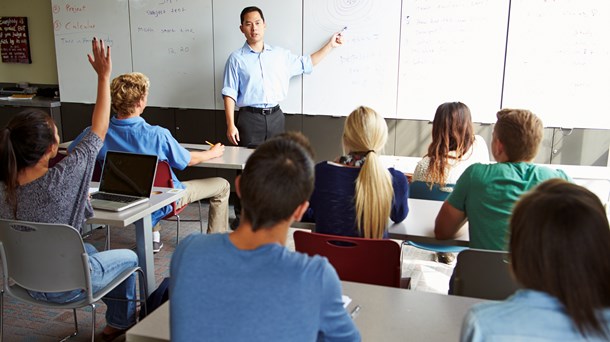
<point x="485" y="193"/>
<point x="246" y="286"/>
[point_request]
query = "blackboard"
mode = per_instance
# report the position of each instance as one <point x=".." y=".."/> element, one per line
<point x="14" y="40"/>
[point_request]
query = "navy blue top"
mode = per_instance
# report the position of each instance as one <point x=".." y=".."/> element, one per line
<point x="332" y="205"/>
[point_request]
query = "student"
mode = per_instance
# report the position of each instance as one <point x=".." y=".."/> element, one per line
<point x="485" y="193"/>
<point x="246" y="286"/>
<point x="31" y="191"/>
<point x="560" y="253"/>
<point x="129" y="132"/>
<point x="256" y="79"/>
<point x="454" y="146"/>
<point x="355" y="194"/>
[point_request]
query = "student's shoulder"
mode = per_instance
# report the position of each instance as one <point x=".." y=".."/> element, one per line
<point x="308" y="264"/>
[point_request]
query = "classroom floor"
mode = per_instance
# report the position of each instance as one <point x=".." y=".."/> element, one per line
<point x="32" y="323"/>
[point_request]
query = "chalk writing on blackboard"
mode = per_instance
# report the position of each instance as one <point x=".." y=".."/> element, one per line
<point x="14" y="40"/>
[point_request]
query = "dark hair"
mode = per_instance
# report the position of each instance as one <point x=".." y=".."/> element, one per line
<point x="248" y="10"/>
<point x="24" y="140"/>
<point x="560" y="244"/>
<point x="451" y="131"/>
<point x="299" y="138"/>
<point x="520" y="131"/>
<point x="278" y="177"/>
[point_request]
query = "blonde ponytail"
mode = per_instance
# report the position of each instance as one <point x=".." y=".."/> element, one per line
<point x="367" y="132"/>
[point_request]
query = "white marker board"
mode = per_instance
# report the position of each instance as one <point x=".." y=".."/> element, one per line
<point x="452" y="50"/>
<point x="558" y="61"/>
<point x="172" y="43"/>
<point x="75" y="24"/>
<point x="284" y="28"/>
<point x="364" y="71"/>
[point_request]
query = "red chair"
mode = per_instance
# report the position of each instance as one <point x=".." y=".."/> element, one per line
<point x="163" y="178"/>
<point x="359" y="260"/>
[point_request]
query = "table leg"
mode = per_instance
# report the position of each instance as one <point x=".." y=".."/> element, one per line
<point x="144" y="250"/>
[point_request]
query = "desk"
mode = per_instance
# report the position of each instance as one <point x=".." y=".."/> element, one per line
<point x="386" y="314"/>
<point x="234" y="157"/>
<point x="419" y="225"/>
<point x="140" y="217"/>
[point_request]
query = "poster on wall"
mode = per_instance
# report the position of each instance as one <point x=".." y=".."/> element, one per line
<point x="14" y="40"/>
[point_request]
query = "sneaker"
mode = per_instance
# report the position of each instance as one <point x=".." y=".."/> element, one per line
<point x="445" y="258"/>
<point x="157" y="245"/>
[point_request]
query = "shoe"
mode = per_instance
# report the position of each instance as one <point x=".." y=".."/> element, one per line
<point x="445" y="258"/>
<point x="111" y="336"/>
<point x="157" y="245"/>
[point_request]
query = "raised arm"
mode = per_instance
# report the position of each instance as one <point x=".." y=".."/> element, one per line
<point x="333" y="42"/>
<point x="201" y="156"/>
<point x="102" y="64"/>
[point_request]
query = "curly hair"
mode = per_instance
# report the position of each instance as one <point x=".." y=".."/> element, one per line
<point x="126" y="91"/>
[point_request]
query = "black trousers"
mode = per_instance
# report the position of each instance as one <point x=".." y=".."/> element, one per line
<point x="255" y="128"/>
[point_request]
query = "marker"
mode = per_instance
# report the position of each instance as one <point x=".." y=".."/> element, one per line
<point x="342" y="30"/>
<point x="209" y="143"/>
<point x="355" y="311"/>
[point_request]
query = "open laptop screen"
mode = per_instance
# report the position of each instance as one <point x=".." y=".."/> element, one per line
<point x="128" y="173"/>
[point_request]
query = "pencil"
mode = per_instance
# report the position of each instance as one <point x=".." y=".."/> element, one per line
<point x="209" y="143"/>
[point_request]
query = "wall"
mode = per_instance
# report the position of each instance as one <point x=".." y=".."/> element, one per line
<point x="407" y="137"/>
<point x="43" y="69"/>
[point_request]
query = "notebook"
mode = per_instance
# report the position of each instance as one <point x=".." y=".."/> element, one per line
<point x="127" y="180"/>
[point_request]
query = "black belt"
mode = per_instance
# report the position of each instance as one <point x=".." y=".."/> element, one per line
<point x="264" y="111"/>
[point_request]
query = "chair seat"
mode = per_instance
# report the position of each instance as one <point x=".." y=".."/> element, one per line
<point x="436" y="247"/>
<point x="19" y="292"/>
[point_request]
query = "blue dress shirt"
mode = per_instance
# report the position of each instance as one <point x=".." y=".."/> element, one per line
<point x="261" y="79"/>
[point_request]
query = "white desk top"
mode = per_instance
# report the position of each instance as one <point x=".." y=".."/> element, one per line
<point x="386" y="314"/>
<point x="234" y="157"/>
<point x="419" y="225"/>
<point x="126" y="217"/>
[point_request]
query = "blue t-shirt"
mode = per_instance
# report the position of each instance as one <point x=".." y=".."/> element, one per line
<point x="332" y="205"/>
<point x="221" y="293"/>
<point x="137" y="136"/>
<point x="527" y="315"/>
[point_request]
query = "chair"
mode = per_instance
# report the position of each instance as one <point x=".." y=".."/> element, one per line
<point x="50" y="258"/>
<point x="421" y="190"/>
<point x="163" y="178"/>
<point x="483" y="274"/>
<point x="360" y="260"/>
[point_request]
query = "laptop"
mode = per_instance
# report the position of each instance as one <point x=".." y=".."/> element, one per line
<point x="127" y="180"/>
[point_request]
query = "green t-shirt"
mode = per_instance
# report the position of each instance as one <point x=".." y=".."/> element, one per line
<point x="486" y="193"/>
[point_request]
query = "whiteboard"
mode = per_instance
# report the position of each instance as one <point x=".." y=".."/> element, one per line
<point x="364" y="71"/>
<point x="75" y="23"/>
<point x="284" y="29"/>
<point x="557" y="64"/>
<point x="172" y="43"/>
<point x="452" y="50"/>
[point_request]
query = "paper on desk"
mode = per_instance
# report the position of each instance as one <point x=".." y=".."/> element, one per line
<point x="92" y="190"/>
<point x="346" y="300"/>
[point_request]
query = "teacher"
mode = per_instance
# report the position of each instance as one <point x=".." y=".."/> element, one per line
<point x="256" y="79"/>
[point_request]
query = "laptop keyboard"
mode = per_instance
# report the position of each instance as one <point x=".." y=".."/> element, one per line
<point x="113" y="197"/>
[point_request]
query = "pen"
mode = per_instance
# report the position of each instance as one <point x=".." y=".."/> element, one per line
<point x="342" y="30"/>
<point x="209" y="143"/>
<point x="355" y="311"/>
